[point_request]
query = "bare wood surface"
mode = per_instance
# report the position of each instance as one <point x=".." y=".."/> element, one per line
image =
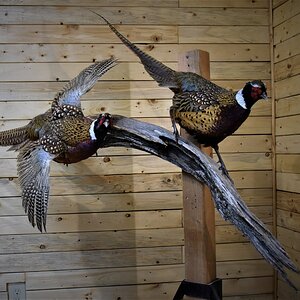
<point x="156" y="140"/>
<point x="198" y="209"/>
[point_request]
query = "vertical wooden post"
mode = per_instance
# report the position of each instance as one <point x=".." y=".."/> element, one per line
<point x="198" y="208"/>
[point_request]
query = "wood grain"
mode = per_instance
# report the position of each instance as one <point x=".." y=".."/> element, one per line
<point x="37" y="50"/>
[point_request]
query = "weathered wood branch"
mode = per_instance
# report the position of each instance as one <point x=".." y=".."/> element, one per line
<point x="127" y="132"/>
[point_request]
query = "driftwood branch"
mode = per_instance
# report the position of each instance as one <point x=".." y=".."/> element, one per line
<point x="127" y="132"/>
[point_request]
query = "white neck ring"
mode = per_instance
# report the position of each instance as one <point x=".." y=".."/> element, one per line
<point x="92" y="132"/>
<point x="240" y="99"/>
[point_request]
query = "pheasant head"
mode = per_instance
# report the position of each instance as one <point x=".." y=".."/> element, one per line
<point x="99" y="127"/>
<point x="252" y="92"/>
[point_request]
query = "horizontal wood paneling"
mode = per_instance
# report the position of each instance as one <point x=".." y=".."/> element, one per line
<point x="253" y="125"/>
<point x="233" y="144"/>
<point x="249" y="286"/>
<point x="10" y="206"/>
<point x="288" y="220"/>
<point x="105" y="202"/>
<point x="139" y="164"/>
<point x="65" y="34"/>
<point x="286" y="30"/>
<point x="286" y="91"/>
<point x="137" y="15"/>
<point x="131" y="108"/>
<point x="96" y="222"/>
<point x="223" y="34"/>
<point x="90" y="259"/>
<point x="108" y="166"/>
<point x="111" y="184"/>
<point x="115" y="221"/>
<point x="103" y="90"/>
<point x="168" y="3"/>
<point x="132" y="275"/>
<point x="285" y="292"/>
<point x="145" y="291"/>
<point x="162" y="291"/>
<point x="162" y="52"/>
<point x="289" y="237"/>
<point x="285" y="11"/>
<point x="287" y="49"/>
<point x="286" y="125"/>
<point x="174" y="3"/>
<point x="287" y="87"/>
<point x="288" y="163"/>
<point x="92" y="240"/>
<point x="124" y="71"/>
<point x="129" y="183"/>
<point x="288" y="182"/>
<point x="288" y="144"/>
<point x="288" y="201"/>
<point x="83" y="222"/>
<point x="288" y="106"/>
<point x="247" y="143"/>
<point x="277" y="3"/>
<point x="287" y="68"/>
<point x="223" y="3"/>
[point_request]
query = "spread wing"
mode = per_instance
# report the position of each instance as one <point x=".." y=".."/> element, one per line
<point x="82" y="83"/>
<point x="33" y="169"/>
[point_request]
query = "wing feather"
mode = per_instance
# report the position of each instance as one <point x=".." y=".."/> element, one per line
<point x="33" y="169"/>
<point x="82" y="83"/>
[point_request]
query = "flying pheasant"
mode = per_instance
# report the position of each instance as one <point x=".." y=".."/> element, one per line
<point x="62" y="133"/>
<point x="207" y="111"/>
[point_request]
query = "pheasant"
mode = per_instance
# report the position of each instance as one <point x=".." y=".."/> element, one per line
<point x="207" y="111"/>
<point x="62" y="133"/>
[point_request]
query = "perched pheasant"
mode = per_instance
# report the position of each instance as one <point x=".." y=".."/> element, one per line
<point x="62" y="133"/>
<point x="207" y="111"/>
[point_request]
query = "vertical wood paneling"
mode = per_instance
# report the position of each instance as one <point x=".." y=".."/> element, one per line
<point x="115" y="225"/>
<point x="286" y="67"/>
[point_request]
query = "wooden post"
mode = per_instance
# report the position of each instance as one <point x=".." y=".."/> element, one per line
<point x="198" y="208"/>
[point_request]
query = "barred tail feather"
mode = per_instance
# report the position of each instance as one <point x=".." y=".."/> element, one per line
<point x="13" y="136"/>
<point x="162" y="74"/>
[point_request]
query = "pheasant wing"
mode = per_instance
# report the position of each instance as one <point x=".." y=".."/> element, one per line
<point x="33" y="169"/>
<point x="82" y="83"/>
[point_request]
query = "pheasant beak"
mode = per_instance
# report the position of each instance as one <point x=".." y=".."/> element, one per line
<point x="105" y="120"/>
<point x="264" y="96"/>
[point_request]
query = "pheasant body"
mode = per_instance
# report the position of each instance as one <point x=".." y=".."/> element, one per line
<point x="60" y="134"/>
<point x="206" y="120"/>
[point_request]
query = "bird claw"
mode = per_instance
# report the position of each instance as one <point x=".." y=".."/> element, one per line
<point x="176" y="133"/>
<point x="224" y="171"/>
<point x="176" y="136"/>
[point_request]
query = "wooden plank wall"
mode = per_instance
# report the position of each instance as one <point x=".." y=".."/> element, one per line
<point x="115" y="221"/>
<point x="287" y="92"/>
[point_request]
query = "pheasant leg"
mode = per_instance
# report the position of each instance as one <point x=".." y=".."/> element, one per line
<point x="222" y="164"/>
<point x="172" y="115"/>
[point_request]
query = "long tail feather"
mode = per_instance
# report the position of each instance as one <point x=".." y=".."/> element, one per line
<point x="13" y="136"/>
<point x="162" y="74"/>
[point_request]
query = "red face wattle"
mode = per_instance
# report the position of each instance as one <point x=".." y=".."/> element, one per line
<point x="257" y="93"/>
<point x="104" y="119"/>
